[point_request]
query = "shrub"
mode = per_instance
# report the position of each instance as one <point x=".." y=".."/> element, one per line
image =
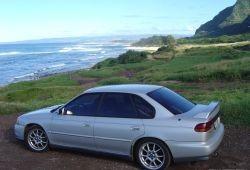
<point x="125" y="58"/>
<point x="131" y="57"/>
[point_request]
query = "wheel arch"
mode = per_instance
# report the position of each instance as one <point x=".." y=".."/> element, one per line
<point x="29" y="125"/>
<point x="136" y="142"/>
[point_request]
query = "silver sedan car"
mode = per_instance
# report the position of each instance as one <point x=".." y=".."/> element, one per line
<point x="151" y="124"/>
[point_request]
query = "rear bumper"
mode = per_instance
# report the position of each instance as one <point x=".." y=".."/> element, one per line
<point x="196" y="150"/>
<point x="19" y="131"/>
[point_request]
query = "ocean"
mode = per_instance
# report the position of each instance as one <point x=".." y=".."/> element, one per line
<point x="23" y="61"/>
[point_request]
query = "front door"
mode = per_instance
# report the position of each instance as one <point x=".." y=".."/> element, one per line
<point x="75" y="127"/>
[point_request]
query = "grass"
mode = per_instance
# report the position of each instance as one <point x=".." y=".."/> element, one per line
<point x="201" y="74"/>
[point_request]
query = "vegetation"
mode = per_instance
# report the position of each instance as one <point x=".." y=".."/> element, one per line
<point x="195" y="40"/>
<point x="168" y="40"/>
<point x="128" y="57"/>
<point x="232" y="20"/>
<point x="202" y="74"/>
<point x="220" y="39"/>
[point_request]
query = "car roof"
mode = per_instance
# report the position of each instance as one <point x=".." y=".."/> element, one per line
<point x="125" y="88"/>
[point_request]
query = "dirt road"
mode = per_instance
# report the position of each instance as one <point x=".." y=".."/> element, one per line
<point x="234" y="153"/>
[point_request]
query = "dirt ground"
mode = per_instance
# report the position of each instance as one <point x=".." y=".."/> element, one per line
<point x="234" y="153"/>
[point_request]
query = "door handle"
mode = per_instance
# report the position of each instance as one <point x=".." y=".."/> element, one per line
<point x="135" y="128"/>
<point x="85" y="125"/>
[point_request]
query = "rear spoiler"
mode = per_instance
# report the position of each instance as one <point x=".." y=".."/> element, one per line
<point x="210" y="111"/>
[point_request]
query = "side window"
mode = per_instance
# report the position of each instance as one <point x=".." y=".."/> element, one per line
<point x="84" y="105"/>
<point x="144" y="109"/>
<point x="117" y="105"/>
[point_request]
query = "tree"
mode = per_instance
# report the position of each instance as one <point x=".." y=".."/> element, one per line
<point x="169" y="41"/>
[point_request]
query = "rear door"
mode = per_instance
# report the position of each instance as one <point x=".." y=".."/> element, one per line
<point x="117" y="124"/>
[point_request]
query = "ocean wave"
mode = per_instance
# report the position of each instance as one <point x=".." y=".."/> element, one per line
<point x="63" y="50"/>
<point x="9" y="53"/>
<point x="54" y="66"/>
<point x="57" y="65"/>
<point x="13" y="53"/>
<point x="29" y="75"/>
<point x="101" y="57"/>
<point x="87" y="59"/>
<point x="79" y="48"/>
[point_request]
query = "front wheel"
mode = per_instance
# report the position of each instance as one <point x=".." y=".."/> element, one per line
<point x="36" y="139"/>
<point x="153" y="154"/>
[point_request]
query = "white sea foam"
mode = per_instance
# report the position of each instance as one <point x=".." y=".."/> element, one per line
<point x="9" y="53"/>
<point x="79" y="48"/>
<point x="24" y="76"/>
<point x="25" y="53"/>
<point x="57" y="65"/>
<point x="88" y="58"/>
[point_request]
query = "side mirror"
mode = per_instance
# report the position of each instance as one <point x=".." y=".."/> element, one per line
<point x="64" y="111"/>
<point x="60" y="111"/>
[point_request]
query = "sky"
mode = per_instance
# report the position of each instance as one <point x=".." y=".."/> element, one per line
<point x="38" y="19"/>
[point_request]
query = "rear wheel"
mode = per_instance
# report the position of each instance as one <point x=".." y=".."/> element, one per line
<point x="153" y="154"/>
<point x="36" y="139"/>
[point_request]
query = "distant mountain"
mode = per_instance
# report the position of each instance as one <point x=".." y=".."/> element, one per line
<point x="232" y="20"/>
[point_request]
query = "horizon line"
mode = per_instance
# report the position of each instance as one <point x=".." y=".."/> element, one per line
<point x="89" y="36"/>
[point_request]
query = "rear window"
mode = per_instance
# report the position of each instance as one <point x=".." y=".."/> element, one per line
<point x="172" y="101"/>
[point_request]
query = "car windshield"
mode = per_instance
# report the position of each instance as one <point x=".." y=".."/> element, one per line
<point x="172" y="101"/>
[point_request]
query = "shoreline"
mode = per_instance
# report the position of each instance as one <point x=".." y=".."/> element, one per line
<point x="43" y="76"/>
<point x="36" y="76"/>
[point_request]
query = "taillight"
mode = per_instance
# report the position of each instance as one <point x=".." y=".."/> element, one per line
<point x="204" y="127"/>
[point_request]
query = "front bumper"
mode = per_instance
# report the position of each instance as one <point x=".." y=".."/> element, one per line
<point x="196" y="150"/>
<point x="19" y="131"/>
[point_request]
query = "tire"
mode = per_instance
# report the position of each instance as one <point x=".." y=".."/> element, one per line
<point x="36" y="139"/>
<point x="153" y="150"/>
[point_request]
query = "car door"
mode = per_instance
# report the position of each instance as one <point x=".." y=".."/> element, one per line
<point x="116" y="124"/>
<point x="74" y="128"/>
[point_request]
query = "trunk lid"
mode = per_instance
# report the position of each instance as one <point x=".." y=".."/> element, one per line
<point x="208" y="112"/>
<point x="204" y="118"/>
<point x="203" y="112"/>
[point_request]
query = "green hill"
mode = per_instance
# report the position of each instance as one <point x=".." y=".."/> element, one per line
<point x="155" y="40"/>
<point x="232" y="20"/>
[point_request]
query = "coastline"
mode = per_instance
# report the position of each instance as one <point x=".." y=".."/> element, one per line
<point x="37" y="76"/>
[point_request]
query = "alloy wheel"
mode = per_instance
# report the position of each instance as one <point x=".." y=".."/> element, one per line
<point x="37" y="139"/>
<point x="151" y="155"/>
